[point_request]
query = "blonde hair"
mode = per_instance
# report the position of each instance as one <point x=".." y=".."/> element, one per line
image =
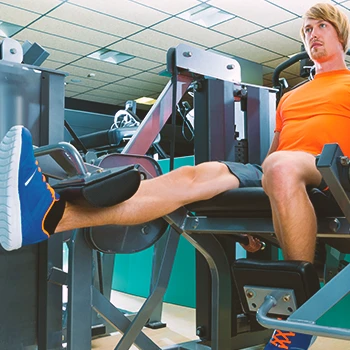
<point x="332" y="15"/>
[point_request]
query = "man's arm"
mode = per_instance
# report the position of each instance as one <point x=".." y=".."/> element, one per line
<point x="274" y="143"/>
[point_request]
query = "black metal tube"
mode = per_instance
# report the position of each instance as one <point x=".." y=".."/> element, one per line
<point x="284" y="65"/>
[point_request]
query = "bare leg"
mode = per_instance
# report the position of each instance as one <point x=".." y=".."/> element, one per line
<point x="155" y="197"/>
<point x="286" y="175"/>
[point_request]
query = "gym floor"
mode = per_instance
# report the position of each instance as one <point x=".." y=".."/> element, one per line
<point x="181" y="327"/>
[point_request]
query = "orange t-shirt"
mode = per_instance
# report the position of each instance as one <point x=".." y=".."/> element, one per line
<point x="316" y="113"/>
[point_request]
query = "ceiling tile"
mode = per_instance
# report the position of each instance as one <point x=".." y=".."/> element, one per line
<point x="294" y="81"/>
<point x="139" y="50"/>
<point x="250" y="52"/>
<point x="70" y="93"/>
<point x="39" y="6"/>
<point x="84" y="82"/>
<point x="267" y="70"/>
<point x="15" y="15"/>
<point x="71" y="31"/>
<point x="84" y="72"/>
<point x="283" y="74"/>
<point x="172" y="7"/>
<point x="124" y="9"/>
<point x="294" y="69"/>
<point x="139" y="64"/>
<point x="345" y="8"/>
<point x="297" y="7"/>
<point x="290" y="28"/>
<point x="93" y="98"/>
<point x="94" y="20"/>
<point x="159" y="69"/>
<point x="346" y="4"/>
<point x="157" y="39"/>
<point x="51" y="64"/>
<point x="191" y="32"/>
<point x="237" y="27"/>
<point x="152" y="77"/>
<point x="77" y="89"/>
<point x="50" y="41"/>
<point x="252" y="10"/>
<point x="274" y="42"/>
<point x="122" y="87"/>
<point x="111" y="94"/>
<point x="106" y="67"/>
<point x="60" y="56"/>
<point x="138" y="84"/>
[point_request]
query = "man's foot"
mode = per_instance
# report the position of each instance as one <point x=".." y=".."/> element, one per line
<point x="25" y="197"/>
<point x="289" y="341"/>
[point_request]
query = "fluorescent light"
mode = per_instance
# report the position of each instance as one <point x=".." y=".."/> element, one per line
<point x="146" y="101"/>
<point x="111" y="56"/>
<point x="9" y="29"/>
<point x="206" y="15"/>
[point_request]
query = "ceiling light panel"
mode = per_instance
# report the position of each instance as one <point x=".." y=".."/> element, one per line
<point x="9" y="29"/>
<point x="111" y="56"/>
<point x="206" y="15"/>
<point x="106" y="67"/>
<point x="254" y="10"/>
<point x="146" y="100"/>
<point x="139" y="50"/>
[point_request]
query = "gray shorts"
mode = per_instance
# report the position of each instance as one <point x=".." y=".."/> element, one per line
<point x="249" y="175"/>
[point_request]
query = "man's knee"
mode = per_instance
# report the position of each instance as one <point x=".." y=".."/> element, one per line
<point x="280" y="174"/>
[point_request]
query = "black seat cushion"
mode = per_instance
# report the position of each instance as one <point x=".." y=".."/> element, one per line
<point x="245" y="202"/>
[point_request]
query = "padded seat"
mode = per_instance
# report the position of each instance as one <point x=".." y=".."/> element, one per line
<point x="253" y="202"/>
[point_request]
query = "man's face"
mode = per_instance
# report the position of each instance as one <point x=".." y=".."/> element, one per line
<point x="321" y="40"/>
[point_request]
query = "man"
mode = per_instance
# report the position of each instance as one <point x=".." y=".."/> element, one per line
<point x="307" y="118"/>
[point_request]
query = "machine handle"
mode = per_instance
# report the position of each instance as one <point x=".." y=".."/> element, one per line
<point x="296" y="326"/>
<point x="63" y="154"/>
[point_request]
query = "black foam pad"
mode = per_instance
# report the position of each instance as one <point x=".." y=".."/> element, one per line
<point x="300" y="276"/>
<point x="103" y="189"/>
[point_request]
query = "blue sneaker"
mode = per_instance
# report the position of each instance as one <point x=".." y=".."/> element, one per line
<point x="289" y="341"/>
<point x="25" y="197"/>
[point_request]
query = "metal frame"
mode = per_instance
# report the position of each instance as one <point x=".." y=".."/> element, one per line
<point x="33" y="97"/>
